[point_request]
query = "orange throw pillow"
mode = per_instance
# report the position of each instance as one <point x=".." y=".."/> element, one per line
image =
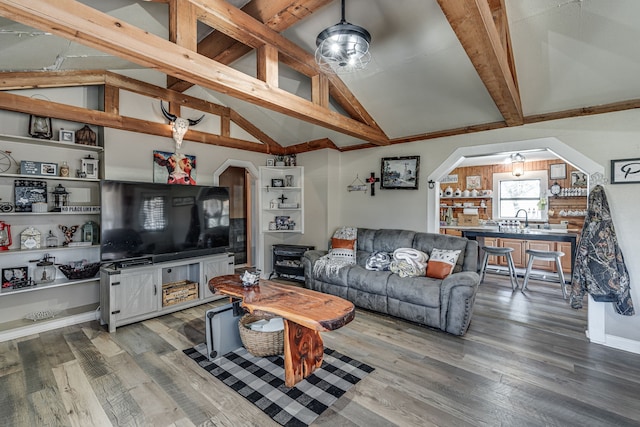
<point x="441" y="263"/>
<point x="342" y="243"/>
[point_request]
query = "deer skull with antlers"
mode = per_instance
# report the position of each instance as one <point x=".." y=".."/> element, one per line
<point x="179" y="126"/>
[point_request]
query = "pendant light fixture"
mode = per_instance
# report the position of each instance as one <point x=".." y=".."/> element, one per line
<point x="343" y="47"/>
<point x="517" y="164"/>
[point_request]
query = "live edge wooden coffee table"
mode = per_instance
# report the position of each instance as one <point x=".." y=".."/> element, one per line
<point x="306" y="313"/>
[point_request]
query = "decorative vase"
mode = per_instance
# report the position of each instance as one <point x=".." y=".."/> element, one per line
<point x="457" y="193"/>
<point x="448" y="192"/>
<point x="465" y="193"/>
<point x="474" y="193"/>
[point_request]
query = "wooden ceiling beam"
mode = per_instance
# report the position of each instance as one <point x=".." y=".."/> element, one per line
<point x="474" y="24"/>
<point x="27" y="105"/>
<point x="75" y="21"/>
<point x="45" y="79"/>
<point x="242" y="27"/>
<point x="278" y="15"/>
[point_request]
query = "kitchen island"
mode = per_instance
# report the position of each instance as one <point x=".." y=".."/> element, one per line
<point x="562" y="240"/>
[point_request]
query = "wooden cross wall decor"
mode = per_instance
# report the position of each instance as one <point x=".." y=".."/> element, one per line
<point x="372" y="180"/>
<point x="282" y="198"/>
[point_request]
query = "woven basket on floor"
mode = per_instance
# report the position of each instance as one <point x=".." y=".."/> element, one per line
<point x="260" y="343"/>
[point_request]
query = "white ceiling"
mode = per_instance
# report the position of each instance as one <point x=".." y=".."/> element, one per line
<point x="568" y="54"/>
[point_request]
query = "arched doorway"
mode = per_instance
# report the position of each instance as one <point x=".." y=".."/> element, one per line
<point x="596" y="313"/>
<point x="241" y="177"/>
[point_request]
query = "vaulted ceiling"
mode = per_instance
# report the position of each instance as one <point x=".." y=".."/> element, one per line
<point x="440" y="67"/>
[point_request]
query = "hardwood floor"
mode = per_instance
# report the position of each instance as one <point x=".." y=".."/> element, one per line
<point x="524" y="362"/>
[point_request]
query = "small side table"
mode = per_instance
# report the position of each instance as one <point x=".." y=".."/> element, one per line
<point x="287" y="261"/>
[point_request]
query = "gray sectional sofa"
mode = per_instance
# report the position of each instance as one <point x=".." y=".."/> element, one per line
<point x="446" y="304"/>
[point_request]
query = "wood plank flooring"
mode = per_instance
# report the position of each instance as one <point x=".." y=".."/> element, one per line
<point x="524" y="362"/>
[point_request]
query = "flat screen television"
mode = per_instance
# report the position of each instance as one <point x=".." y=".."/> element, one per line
<point x="162" y="222"/>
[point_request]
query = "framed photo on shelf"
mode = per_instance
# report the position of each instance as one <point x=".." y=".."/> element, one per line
<point x="558" y="171"/>
<point x="400" y="173"/>
<point x="49" y="169"/>
<point x="625" y="171"/>
<point x="277" y="182"/>
<point x="14" y="276"/>
<point x="271" y="162"/>
<point x="67" y="136"/>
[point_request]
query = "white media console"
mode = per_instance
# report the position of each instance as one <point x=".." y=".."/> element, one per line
<point x="136" y="293"/>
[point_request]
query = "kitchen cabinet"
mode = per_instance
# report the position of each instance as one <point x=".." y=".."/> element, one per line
<point x="541" y="245"/>
<point x="566" y="260"/>
<point x="519" y="247"/>
<point x="491" y="241"/>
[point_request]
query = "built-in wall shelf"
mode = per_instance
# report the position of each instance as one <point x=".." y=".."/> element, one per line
<point x="50" y="143"/>
<point x="55" y="284"/>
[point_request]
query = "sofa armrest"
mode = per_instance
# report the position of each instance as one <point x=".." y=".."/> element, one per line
<point x="457" y="296"/>
<point x="309" y="258"/>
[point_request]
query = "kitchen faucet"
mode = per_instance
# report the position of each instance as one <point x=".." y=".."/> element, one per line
<point x="526" y="217"/>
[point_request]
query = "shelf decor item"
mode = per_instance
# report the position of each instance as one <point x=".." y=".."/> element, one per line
<point x="80" y="270"/>
<point x="90" y="167"/>
<point x="60" y="198"/>
<point x="52" y="240"/>
<point x="400" y="173"/>
<point x="68" y="233"/>
<point x="5" y="236"/>
<point x="90" y="232"/>
<point x="86" y="136"/>
<point x="40" y="127"/>
<point x="67" y="136"/>
<point x="27" y="192"/>
<point x="30" y="238"/>
<point x="45" y="271"/>
<point x="15" y="277"/>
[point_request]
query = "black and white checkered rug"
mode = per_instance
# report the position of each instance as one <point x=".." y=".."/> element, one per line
<point x="261" y="381"/>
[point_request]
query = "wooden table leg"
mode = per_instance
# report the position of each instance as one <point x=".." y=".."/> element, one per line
<point x="303" y="351"/>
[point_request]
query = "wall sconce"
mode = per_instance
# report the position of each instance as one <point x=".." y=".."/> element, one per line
<point x="517" y="164"/>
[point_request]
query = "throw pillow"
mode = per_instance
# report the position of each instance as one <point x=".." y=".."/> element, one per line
<point x="442" y="262"/>
<point x="343" y="245"/>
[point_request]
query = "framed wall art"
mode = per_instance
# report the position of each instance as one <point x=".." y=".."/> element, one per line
<point x="625" y="171"/>
<point x="174" y="168"/>
<point x="400" y="173"/>
<point x="578" y="179"/>
<point x="558" y="171"/>
<point x="474" y="182"/>
<point x="40" y="127"/>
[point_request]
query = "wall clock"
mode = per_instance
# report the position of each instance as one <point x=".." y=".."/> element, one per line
<point x="555" y="189"/>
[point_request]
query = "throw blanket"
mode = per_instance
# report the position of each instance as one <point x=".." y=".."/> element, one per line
<point x="336" y="259"/>
<point x="408" y="262"/>
<point x="599" y="265"/>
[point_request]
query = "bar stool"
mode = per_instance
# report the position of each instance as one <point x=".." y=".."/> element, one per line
<point x="498" y="251"/>
<point x="533" y="253"/>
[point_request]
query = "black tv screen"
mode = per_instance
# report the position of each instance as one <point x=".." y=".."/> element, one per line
<point x="162" y="221"/>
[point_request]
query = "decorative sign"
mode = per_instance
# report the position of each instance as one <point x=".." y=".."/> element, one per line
<point x="28" y="167"/>
<point x="474" y="182"/>
<point x="449" y="179"/>
<point x="625" y="171"/>
<point x="28" y="192"/>
<point x="30" y="238"/>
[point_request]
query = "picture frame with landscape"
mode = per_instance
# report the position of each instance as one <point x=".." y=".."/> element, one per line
<point x="400" y="173"/>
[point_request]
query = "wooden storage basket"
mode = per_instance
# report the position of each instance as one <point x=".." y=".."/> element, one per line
<point x="260" y="343"/>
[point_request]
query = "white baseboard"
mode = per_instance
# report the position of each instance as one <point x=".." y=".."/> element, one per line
<point x="620" y="343"/>
<point x="43" y="326"/>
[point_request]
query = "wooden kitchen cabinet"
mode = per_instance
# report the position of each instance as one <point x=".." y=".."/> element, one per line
<point x="541" y="245"/>
<point x="491" y="241"/>
<point x="518" y="254"/>
<point x="566" y="260"/>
